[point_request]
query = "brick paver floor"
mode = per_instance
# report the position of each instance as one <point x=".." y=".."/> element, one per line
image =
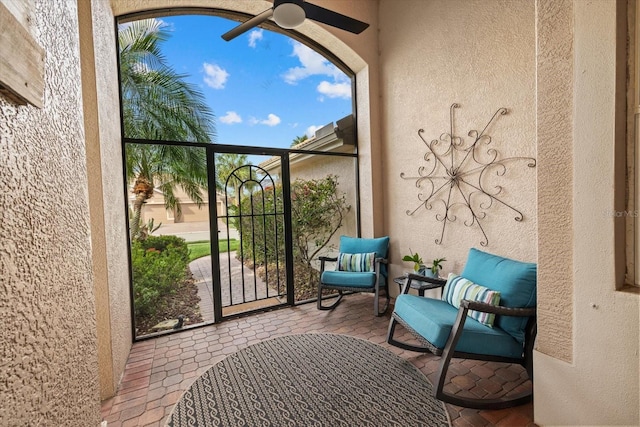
<point x="160" y="369"/>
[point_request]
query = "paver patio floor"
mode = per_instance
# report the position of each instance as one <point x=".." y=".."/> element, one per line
<point x="160" y="369"/>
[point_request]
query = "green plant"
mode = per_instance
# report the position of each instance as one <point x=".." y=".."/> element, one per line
<point x="436" y="265"/>
<point x="160" y="104"/>
<point x="317" y="213"/>
<point x="415" y="259"/>
<point x="159" y="266"/>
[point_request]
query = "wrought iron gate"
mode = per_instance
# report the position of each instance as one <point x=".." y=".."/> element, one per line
<point x="255" y="212"/>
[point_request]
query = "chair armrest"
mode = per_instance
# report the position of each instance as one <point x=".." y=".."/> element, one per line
<point x="324" y="259"/>
<point x="382" y="260"/>
<point x="496" y="309"/>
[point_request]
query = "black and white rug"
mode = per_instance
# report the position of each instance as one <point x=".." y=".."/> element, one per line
<point x="310" y="380"/>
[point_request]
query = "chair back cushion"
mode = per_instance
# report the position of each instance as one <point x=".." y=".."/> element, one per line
<point x="515" y="280"/>
<point x="356" y="245"/>
<point x="458" y="288"/>
<point x="356" y="262"/>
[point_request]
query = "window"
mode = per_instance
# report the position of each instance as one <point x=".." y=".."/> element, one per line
<point x="262" y="125"/>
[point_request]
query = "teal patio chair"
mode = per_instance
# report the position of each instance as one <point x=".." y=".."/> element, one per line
<point x="361" y="266"/>
<point x="486" y="313"/>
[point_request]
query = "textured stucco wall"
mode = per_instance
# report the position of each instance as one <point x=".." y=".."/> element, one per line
<point x="106" y="196"/>
<point x="555" y="175"/>
<point x="481" y="55"/>
<point x="48" y="359"/>
<point x="600" y="386"/>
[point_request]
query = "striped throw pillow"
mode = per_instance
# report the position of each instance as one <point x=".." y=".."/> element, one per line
<point x="356" y="262"/>
<point x="458" y="288"/>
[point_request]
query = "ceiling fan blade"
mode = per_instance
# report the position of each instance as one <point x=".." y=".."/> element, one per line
<point x="334" y="19"/>
<point x="247" y="25"/>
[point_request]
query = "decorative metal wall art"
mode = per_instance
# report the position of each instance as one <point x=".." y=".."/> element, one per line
<point x="455" y="177"/>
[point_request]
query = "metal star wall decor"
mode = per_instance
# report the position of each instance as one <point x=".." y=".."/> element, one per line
<point x="454" y="180"/>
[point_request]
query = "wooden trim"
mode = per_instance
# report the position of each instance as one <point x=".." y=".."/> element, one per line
<point x="21" y="62"/>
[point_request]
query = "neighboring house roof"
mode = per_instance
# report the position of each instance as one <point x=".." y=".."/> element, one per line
<point x="337" y="138"/>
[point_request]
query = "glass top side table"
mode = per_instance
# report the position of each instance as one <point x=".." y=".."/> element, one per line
<point x="419" y="282"/>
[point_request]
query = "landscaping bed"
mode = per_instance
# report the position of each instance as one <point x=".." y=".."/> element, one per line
<point x="183" y="302"/>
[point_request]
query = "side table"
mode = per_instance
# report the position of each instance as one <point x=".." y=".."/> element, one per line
<point x="419" y="282"/>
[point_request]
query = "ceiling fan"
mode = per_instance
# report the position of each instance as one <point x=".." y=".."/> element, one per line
<point x="291" y="13"/>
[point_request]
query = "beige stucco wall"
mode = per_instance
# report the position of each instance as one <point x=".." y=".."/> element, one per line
<point x="481" y="55"/>
<point x="48" y="349"/>
<point x="555" y="93"/>
<point x="599" y="385"/>
<point x="106" y="196"/>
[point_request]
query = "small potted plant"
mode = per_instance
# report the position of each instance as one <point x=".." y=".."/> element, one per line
<point x="418" y="266"/>
<point x="436" y="266"/>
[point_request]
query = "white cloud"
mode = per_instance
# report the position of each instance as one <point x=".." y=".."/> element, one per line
<point x="311" y="130"/>
<point x="230" y="118"/>
<point x="215" y="77"/>
<point x="255" y="36"/>
<point x="271" y="120"/>
<point x="335" y="90"/>
<point x="312" y="63"/>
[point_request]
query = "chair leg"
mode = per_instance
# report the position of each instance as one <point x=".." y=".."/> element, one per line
<point x="445" y="361"/>
<point x="328" y="307"/>
<point x="376" y="303"/>
<point x="391" y="331"/>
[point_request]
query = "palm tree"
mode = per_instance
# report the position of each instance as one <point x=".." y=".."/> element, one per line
<point x="226" y="164"/>
<point x="158" y="104"/>
<point x="299" y="139"/>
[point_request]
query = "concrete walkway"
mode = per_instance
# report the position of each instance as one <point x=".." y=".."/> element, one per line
<point x="242" y="289"/>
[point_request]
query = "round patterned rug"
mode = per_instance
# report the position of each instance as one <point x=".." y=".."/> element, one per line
<point x="310" y="380"/>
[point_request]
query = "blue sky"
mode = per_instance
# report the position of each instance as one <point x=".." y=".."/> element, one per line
<point x="264" y="88"/>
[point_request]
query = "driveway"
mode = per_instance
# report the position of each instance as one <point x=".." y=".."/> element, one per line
<point x="195" y="231"/>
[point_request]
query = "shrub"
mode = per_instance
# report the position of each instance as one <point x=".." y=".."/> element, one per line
<point x="159" y="266"/>
<point x="161" y="243"/>
<point x="317" y="213"/>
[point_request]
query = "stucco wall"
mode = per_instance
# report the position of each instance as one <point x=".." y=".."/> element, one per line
<point x="600" y="384"/>
<point x="555" y="175"/>
<point x="106" y="194"/>
<point x="48" y="351"/>
<point x="481" y="55"/>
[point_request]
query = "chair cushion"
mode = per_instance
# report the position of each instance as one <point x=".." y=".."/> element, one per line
<point x="434" y="318"/>
<point x="357" y="245"/>
<point x="356" y="262"/>
<point x="348" y="279"/>
<point x="458" y="288"/>
<point x="515" y="280"/>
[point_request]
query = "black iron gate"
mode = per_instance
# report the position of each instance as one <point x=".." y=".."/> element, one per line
<point x="256" y="212"/>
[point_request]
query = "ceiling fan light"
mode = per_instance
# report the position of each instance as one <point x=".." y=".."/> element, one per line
<point x="288" y="15"/>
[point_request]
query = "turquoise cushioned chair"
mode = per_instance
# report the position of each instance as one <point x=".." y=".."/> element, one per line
<point x="447" y="331"/>
<point x="357" y="272"/>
